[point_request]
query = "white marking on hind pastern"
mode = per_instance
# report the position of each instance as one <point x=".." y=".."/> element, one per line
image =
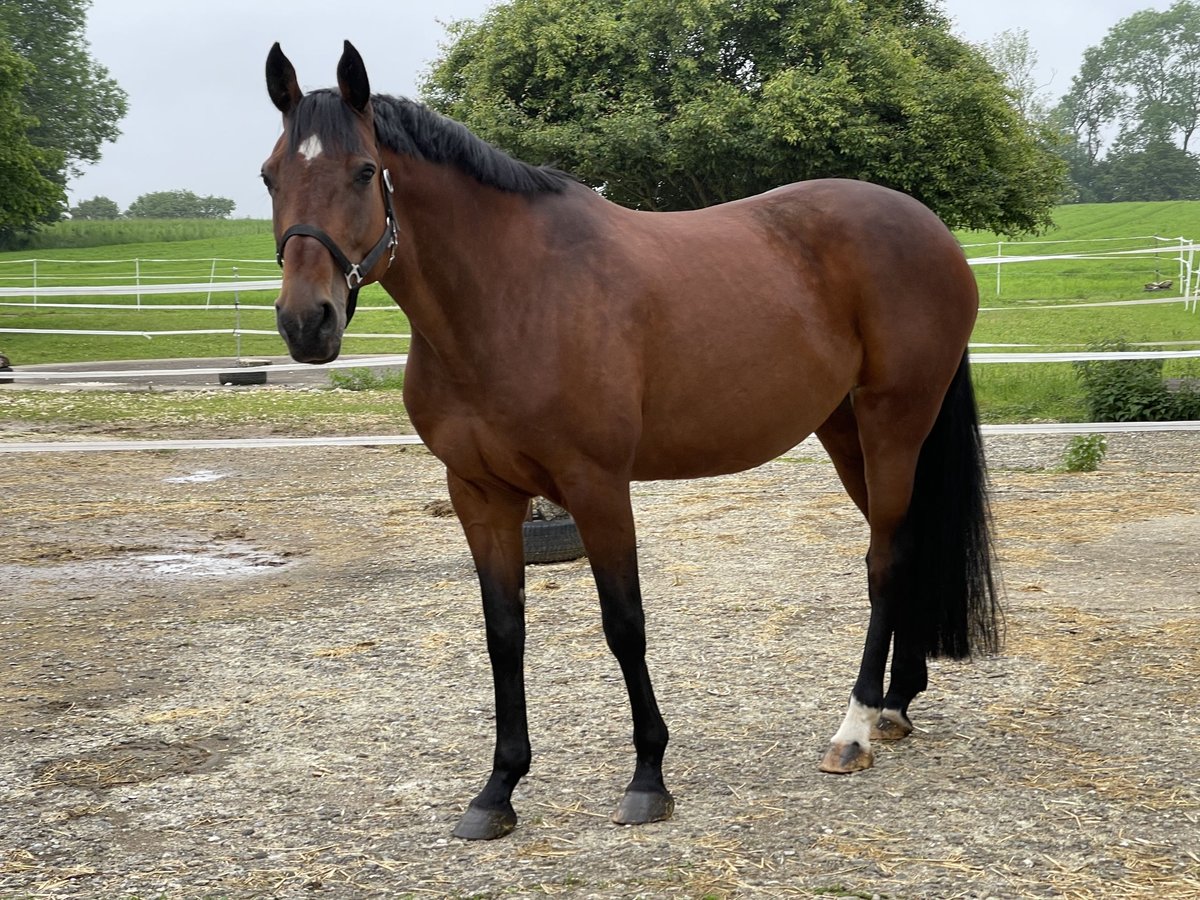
<point x="311" y="148"/>
<point x="856" y="728"/>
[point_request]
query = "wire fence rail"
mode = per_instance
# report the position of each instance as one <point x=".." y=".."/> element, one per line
<point x="34" y="280"/>
<point x="47" y="278"/>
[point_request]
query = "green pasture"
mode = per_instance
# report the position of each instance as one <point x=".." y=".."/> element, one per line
<point x="1009" y="306"/>
<point x="243" y="251"/>
<point x="1126" y="245"/>
<point x="75" y="235"/>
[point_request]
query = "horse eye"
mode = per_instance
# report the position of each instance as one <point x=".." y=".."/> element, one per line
<point x="366" y="174"/>
<point x="266" y="179"/>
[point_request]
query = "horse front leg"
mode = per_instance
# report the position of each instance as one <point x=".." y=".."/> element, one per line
<point x="605" y="521"/>
<point x="492" y="520"/>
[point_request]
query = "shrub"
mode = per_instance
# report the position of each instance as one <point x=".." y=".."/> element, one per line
<point x="366" y="379"/>
<point x="1084" y="453"/>
<point x="1132" y="390"/>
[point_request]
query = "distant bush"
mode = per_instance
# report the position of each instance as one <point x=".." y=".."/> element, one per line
<point x="99" y="207"/>
<point x="1085" y="453"/>
<point x="179" y="205"/>
<point x="1132" y="390"/>
<point x="367" y="379"/>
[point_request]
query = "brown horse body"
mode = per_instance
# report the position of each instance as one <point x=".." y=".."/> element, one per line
<point x="564" y="346"/>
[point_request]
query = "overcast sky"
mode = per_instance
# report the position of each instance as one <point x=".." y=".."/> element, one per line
<point x="199" y="117"/>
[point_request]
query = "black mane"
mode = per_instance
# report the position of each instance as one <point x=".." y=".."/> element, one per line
<point x="414" y="129"/>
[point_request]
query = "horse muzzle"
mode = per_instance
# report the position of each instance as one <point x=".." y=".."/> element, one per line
<point x="313" y="333"/>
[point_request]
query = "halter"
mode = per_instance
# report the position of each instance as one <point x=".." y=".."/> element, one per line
<point x="354" y="272"/>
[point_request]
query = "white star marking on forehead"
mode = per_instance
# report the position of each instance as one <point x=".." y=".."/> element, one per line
<point x="311" y="148"/>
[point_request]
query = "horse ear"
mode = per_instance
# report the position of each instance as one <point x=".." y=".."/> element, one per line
<point x="281" y="81"/>
<point x="352" y="78"/>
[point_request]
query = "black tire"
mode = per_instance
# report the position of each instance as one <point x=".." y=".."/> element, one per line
<point x="551" y="541"/>
<point x="241" y="378"/>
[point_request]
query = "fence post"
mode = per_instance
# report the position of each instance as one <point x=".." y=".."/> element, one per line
<point x="237" y="315"/>
<point x="1182" y="283"/>
<point x="212" y="277"/>
<point x="999" y="253"/>
<point x="137" y="280"/>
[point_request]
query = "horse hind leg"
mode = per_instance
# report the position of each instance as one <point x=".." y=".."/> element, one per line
<point x="891" y="430"/>
<point x="839" y="435"/>
<point x="930" y="562"/>
<point x="910" y="676"/>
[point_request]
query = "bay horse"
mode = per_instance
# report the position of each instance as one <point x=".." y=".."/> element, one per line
<point x="565" y="346"/>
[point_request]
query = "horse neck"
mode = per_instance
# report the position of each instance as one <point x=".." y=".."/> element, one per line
<point x="463" y="247"/>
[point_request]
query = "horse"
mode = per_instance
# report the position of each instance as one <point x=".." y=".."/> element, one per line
<point x="669" y="345"/>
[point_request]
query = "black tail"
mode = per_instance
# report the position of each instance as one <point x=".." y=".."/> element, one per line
<point x="955" y="592"/>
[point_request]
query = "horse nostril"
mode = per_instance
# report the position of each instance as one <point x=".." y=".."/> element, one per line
<point x="328" y="315"/>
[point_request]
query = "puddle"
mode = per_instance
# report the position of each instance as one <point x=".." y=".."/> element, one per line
<point x="226" y="559"/>
<point x="209" y="563"/>
<point x="204" y="476"/>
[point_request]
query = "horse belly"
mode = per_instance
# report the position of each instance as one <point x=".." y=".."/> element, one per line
<point x="754" y="416"/>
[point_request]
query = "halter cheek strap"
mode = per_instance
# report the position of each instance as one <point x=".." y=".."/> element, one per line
<point x="355" y="273"/>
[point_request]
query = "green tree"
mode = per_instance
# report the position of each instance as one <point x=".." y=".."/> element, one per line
<point x="98" y="207"/>
<point x="1144" y="79"/>
<point x="1159" y="171"/>
<point x="670" y="104"/>
<point x="27" y="196"/>
<point x="1011" y="54"/>
<point x="179" y="205"/>
<point x="75" y="103"/>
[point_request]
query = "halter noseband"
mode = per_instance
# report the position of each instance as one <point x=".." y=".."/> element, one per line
<point x="355" y="273"/>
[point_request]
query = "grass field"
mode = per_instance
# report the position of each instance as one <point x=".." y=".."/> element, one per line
<point x="1015" y="393"/>
<point x="244" y="252"/>
<point x="124" y="251"/>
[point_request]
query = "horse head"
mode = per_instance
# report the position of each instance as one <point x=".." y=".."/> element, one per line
<point x="331" y="204"/>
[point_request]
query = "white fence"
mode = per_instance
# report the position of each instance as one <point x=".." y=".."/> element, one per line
<point x="1177" y="255"/>
<point x="173" y="277"/>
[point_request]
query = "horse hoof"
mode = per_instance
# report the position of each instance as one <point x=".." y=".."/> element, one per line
<point x="893" y="725"/>
<point x="479" y="824"/>
<point x="842" y="759"/>
<point x="641" y="807"/>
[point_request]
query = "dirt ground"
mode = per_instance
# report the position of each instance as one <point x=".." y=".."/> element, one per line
<point x="262" y="673"/>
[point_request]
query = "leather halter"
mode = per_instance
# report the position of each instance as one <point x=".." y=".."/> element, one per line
<point x="355" y="273"/>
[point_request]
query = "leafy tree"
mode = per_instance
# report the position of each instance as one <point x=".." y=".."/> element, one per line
<point x="1011" y="54"/>
<point x="1144" y="77"/>
<point x="179" y="205"/>
<point x="1159" y="171"/>
<point x="670" y="104"/>
<point x="27" y="196"/>
<point x="97" y="208"/>
<point x="75" y="103"/>
<point x="1137" y="96"/>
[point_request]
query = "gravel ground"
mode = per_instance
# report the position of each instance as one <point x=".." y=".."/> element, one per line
<point x="262" y="673"/>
